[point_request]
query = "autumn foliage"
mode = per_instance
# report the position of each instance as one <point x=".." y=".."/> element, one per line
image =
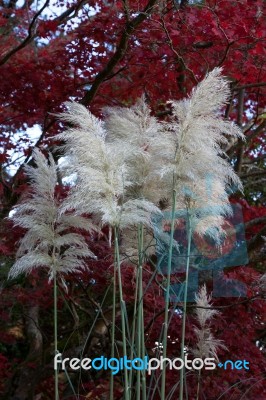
<point x="109" y="53"/>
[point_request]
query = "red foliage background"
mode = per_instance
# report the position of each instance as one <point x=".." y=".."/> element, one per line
<point x="109" y="53"/>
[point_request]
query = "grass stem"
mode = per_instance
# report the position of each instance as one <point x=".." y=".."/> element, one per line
<point x="123" y="311"/>
<point x="55" y="335"/>
<point x="182" y="375"/>
<point x="167" y="293"/>
<point x="113" y="335"/>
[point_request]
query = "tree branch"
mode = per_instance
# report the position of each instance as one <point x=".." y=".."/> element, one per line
<point x="68" y="12"/>
<point x="181" y="305"/>
<point x="254" y="160"/>
<point x="119" y="53"/>
<point x="257" y="131"/>
<point x="249" y="85"/>
<point x="256" y="173"/>
<point x="61" y="18"/>
<point x="29" y="37"/>
<point x="240" y="153"/>
<point x="255" y="221"/>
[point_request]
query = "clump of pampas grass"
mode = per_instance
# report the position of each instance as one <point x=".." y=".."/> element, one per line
<point x="48" y="241"/>
<point x="104" y="179"/>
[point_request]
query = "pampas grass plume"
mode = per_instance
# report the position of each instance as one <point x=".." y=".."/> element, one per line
<point x="48" y="241"/>
<point x="103" y="172"/>
<point x="207" y="345"/>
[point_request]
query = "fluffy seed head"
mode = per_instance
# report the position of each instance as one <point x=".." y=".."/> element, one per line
<point x="201" y="171"/>
<point x="103" y="173"/>
<point x="48" y="241"/>
<point x="207" y="345"/>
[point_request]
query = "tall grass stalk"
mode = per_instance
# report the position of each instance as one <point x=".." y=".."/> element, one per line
<point x="138" y="334"/>
<point x="55" y="335"/>
<point x="198" y="385"/>
<point x="140" y="317"/>
<point x="138" y="320"/>
<point x="123" y="310"/>
<point x="113" y="335"/>
<point x="182" y="375"/>
<point x="133" y="330"/>
<point x="167" y="293"/>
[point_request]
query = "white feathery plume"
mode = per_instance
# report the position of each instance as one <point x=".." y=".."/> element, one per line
<point x="48" y="241"/>
<point x="207" y="345"/>
<point x="145" y="139"/>
<point x="200" y="168"/>
<point x="103" y="175"/>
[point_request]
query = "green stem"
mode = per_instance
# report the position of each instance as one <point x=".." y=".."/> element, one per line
<point x="123" y="311"/>
<point x="198" y="388"/>
<point x="133" y="334"/>
<point x="113" y="336"/>
<point x="141" y="339"/>
<point x="167" y="294"/>
<point x="55" y="335"/>
<point x="138" y="343"/>
<point x="185" y="307"/>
